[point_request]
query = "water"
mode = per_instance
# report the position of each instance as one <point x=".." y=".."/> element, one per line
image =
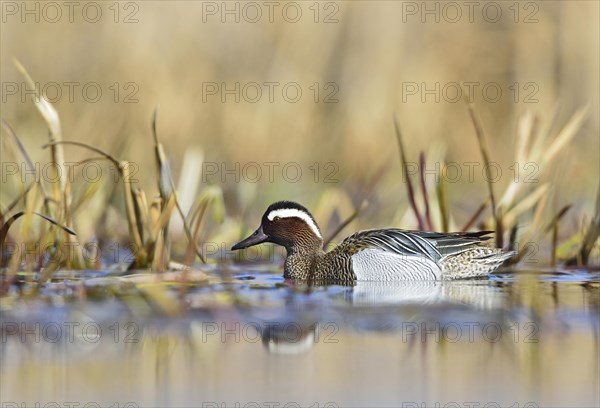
<point x="526" y="339"/>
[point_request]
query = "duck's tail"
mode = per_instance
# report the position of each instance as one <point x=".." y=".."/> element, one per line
<point x="473" y="262"/>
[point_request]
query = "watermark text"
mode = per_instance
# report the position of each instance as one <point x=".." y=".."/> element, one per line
<point x="52" y="12"/>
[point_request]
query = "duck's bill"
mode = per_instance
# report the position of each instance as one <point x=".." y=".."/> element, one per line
<point x="257" y="237"/>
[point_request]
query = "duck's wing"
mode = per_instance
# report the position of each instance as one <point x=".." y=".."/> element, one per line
<point x="453" y="243"/>
<point x="431" y="245"/>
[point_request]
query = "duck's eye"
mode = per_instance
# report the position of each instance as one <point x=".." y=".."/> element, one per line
<point x="276" y="219"/>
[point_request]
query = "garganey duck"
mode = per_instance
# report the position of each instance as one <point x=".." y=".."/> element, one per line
<point x="373" y="255"/>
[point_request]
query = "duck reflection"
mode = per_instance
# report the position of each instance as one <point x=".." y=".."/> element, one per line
<point x="290" y="337"/>
<point x="291" y="319"/>
<point x="404" y="308"/>
<point x="462" y="335"/>
<point x="480" y="294"/>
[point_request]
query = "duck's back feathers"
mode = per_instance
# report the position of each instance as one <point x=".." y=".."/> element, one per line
<point x="432" y="245"/>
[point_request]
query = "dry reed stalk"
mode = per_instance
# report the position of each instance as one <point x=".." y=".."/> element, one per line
<point x="409" y="186"/>
<point x="442" y="198"/>
<point x="422" y="165"/>
<point x="486" y="162"/>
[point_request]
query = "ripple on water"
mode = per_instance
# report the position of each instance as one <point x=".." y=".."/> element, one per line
<point x="251" y="336"/>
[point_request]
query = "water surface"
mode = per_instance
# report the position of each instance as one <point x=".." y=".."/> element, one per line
<point x="520" y="339"/>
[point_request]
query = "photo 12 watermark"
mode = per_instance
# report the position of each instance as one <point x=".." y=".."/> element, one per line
<point x="494" y="12"/>
<point x="89" y="171"/>
<point x="471" y="332"/>
<point x="254" y="332"/>
<point x="471" y="91"/>
<point x="68" y="404"/>
<point x="266" y="404"/>
<point x="71" y="92"/>
<point x="88" y="332"/>
<point x="52" y="12"/>
<point x="270" y="91"/>
<point x="270" y="172"/>
<point x="91" y="252"/>
<point x="472" y="172"/>
<point x="83" y="331"/>
<point x="468" y="404"/>
<point x="251" y="12"/>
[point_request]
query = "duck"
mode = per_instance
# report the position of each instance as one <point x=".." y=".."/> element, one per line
<point x="386" y="254"/>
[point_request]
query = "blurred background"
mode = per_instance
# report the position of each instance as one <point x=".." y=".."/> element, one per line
<point x="264" y="101"/>
<point x="296" y="100"/>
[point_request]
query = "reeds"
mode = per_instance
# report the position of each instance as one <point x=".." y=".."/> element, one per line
<point x="531" y="147"/>
<point x="148" y="218"/>
<point x="409" y="187"/>
<point x="148" y="223"/>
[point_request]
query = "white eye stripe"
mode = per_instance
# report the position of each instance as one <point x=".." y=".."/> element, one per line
<point x="293" y="212"/>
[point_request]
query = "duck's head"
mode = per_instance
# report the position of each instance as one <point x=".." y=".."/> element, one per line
<point x="287" y="224"/>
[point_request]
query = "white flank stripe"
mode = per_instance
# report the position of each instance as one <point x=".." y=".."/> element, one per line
<point x="293" y="212"/>
<point x="372" y="264"/>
